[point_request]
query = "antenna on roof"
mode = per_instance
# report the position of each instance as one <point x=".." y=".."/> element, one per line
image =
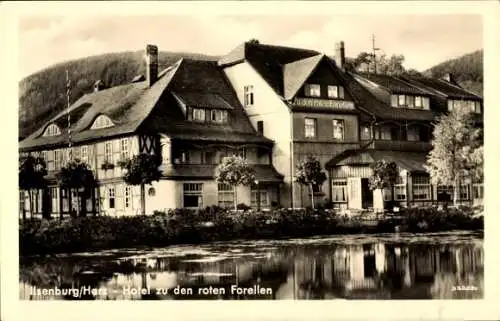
<point x="374" y="54"/>
<point x="68" y="92"/>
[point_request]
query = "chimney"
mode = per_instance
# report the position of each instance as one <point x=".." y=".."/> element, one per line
<point x="340" y="55"/>
<point x="448" y="77"/>
<point x="151" y="64"/>
<point x="98" y="85"/>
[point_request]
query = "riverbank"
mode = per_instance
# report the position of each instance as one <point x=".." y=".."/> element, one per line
<point x="193" y="227"/>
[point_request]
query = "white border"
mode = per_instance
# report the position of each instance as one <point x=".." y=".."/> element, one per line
<point x="13" y="309"/>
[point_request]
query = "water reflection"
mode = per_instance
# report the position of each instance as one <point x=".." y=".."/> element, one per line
<point x="349" y="268"/>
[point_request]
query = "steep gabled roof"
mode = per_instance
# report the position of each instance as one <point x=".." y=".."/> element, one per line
<point x="296" y="73"/>
<point x="136" y="107"/>
<point x="126" y="105"/>
<point x="267" y="60"/>
<point x="442" y="87"/>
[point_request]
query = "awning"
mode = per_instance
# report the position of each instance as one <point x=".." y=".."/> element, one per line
<point x="410" y="161"/>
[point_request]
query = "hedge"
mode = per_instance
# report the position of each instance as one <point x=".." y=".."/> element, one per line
<point x="214" y="224"/>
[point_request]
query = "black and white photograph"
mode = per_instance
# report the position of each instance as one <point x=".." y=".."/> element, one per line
<point x="251" y="156"/>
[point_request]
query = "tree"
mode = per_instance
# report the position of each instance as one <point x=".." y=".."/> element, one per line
<point x="309" y="173"/>
<point x="76" y="175"/>
<point x="457" y="150"/>
<point x="32" y="171"/>
<point x="384" y="175"/>
<point x="142" y="169"/>
<point x="233" y="171"/>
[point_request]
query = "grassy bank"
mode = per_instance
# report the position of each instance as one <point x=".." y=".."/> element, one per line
<point x="213" y="224"/>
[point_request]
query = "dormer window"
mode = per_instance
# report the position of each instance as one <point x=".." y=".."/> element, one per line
<point x="218" y="116"/>
<point x="312" y="90"/>
<point x="410" y="101"/>
<point x="473" y="106"/>
<point x="336" y="92"/>
<point x="52" y="130"/>
<point x="102" y="121"/>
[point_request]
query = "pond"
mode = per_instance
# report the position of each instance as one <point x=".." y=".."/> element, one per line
<point x="385" y="266"/>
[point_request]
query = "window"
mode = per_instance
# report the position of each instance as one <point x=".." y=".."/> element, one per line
<point x="84" y="154"/>
<point x="52" y="130"/>
<point x="421" y="188"/>
<point x="193" y="194"/>
<point x="108" y="152"/>
<point x="128" y="194"/>
<point x="338" y="129"/>
<point x="208" y="157"/>
<point x="152" y="192"/>
<point x="102" y="121"/>
<point x="257" y="195"/>
<point x="463" y="192"/>
<point x="196" y="114"/>
<point x="366" y="133"/>
<point x="310" y="127"/>
<point x="335" y="92"/>
<point x="57" y="159"/>
<point x="218" y="116"/>
<point x="111" y="197"/>
<point x="312" y="90"/>
<point x="49" y="157"/>
<point x="76" y="152"/>
<point x="339" y="190"/>
<point x="401" y="100"/>
<point x="400" y="189"/>
<point x="124" y="151"/>
<point x="248" y="96"/>
<point x="413" y="133"/>
<point x="418" y="102"/>
<point x="410" y="101"/>
<point x="184" y="157"/>
<point x="477" y="107"/>
<point x="225" y="194"/>
<point x="478" y="190"/>
<point x="426" y="103"/>
<point x="260" y="127"/>
<point x="394" y="100"/>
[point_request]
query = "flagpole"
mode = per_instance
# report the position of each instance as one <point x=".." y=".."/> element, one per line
<point x="68" y="92"/>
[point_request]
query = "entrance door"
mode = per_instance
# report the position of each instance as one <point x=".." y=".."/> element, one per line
<point x="366" y="193"/>
<point x="354" y="192"/>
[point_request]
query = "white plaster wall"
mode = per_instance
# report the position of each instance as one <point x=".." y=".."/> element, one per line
<point x="269" y="108"/>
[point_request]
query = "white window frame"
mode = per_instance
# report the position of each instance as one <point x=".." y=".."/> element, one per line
<point x="394" y="101"/>
<point x="84" y="154"/>
<point x="336" y="124"/>
<point x="312" y="90"/>
<point x="421" y="185"/>
<point x="199" y="114"/>
<point x="52" y="130"/>
<point x="108" y="151"/>
<point x="57" y="159"/>
<point x="264" y="197"/>
<point x="478" y="190"/>
<point x="128" y="197"/>
<point x="124" y="149"/>
<point x="192" y="189"/>
<point x="308" y="127"/>
<point x="418" y="102"/>
<point x="112" y="196"/>
<point x="248" y="94"/>
<point x="400" y="189"/>
<point x="102" y="121"/>
<point x="333" y="92"/>
<point x="225" y="195"/>
<point x="339" y="187"/>
<point x="403" y="99"/>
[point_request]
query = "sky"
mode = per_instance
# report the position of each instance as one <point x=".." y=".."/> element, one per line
<point x="424" y="40"/>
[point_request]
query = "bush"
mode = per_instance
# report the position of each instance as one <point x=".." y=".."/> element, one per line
<point x="243" y="206"/>
<point x="216" y="224"/>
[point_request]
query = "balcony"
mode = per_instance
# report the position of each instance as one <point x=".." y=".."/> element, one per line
<point x="400" y="145"/>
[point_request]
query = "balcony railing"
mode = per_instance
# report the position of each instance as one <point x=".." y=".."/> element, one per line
<point x="401" y="145"/>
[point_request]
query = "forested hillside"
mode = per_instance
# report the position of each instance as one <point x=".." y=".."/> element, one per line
<point x="43" y="94"/>
<point x="467" y="70"/>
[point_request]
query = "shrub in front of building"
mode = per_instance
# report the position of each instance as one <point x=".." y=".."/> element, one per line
<point x="216" y="224"/>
